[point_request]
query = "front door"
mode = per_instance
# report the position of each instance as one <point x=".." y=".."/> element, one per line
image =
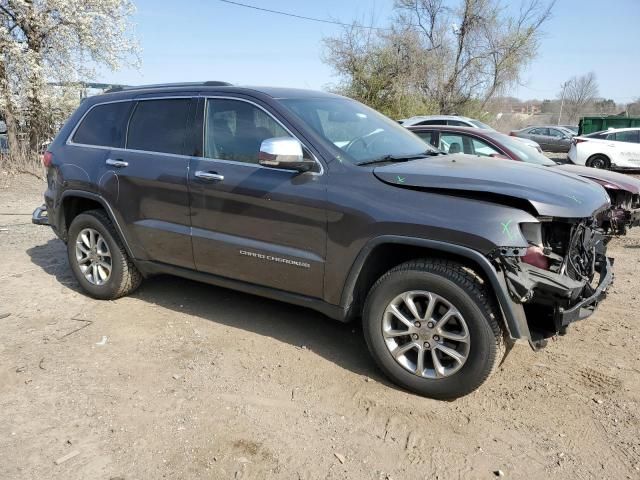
<point x="251" y="223"/>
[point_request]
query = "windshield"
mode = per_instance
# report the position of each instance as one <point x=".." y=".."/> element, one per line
<point x="524" y="152"/>
<point x="481" y="125"/>
<point x="360" y="133"/>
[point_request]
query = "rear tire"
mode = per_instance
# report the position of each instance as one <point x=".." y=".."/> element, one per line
<point x="457" y="355"/>
<point x="98" y="258"/>
<point x="599" y="161"/>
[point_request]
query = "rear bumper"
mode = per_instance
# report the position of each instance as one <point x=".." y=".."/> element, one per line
<point x="40" y="216"/>
<point x="587" y="306"/>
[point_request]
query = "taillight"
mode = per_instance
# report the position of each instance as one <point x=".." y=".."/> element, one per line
<point x="575" y="141"/>
<point x="512" y="134"/>
<point x="535" y="257"/>
<point x="47" y="158"/>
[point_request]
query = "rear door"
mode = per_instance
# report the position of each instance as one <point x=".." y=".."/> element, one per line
<point x="251" y="223"/>
<point x="626" y="147"/>
<point x="147" y="180"/>
<point x="558" y="140"/>
<point x="541" y="136"/>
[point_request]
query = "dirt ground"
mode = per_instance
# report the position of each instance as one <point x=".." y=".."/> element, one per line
<point x="184" y="381"/>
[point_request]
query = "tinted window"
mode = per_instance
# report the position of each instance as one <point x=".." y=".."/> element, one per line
<point x="426" y="136"/>
<point x="104" y="125"/>
<point x="159" y="126"/>
<point x="540" y="131"/>
<point x="630" y="136"/>
<point x="555" y="133"/>
<point x="598" y="135"/>
<point x="457" y="123"/>
<point x="433" y="122"/>
<point x="236" y="129"/>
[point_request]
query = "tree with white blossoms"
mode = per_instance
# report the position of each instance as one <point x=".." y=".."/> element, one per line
<point x="56" y="41"/>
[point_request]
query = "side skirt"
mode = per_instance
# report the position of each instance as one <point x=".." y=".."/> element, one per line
<point x="149" y="268"/>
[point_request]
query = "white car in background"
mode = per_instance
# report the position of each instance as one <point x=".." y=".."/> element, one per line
<point x="458" y="121"/>
<point x="613" y="148"/>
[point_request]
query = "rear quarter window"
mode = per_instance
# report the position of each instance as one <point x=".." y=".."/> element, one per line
<point x="104" y="125"/>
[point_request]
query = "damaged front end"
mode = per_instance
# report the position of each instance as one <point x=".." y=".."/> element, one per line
<point x="623" y="214"/>
<point x="561" y="277"/>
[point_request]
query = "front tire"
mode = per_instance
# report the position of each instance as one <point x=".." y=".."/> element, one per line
<point x="432" y="327"/>
<point x="98" y="258"/>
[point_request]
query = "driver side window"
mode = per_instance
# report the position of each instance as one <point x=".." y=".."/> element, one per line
<point x="453" y="143"/>
<point x="235" y="130"/>
<point x="484" y="149"/>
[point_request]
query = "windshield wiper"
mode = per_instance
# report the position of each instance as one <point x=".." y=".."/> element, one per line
<point x="399" y="158"/>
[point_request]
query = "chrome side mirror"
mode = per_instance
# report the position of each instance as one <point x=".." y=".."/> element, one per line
<point x="285" y="153"/>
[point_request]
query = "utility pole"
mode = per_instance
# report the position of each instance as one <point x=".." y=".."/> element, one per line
<point x="564" y="86"/>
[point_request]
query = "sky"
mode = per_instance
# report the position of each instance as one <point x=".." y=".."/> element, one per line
<point x="197" y="40"/>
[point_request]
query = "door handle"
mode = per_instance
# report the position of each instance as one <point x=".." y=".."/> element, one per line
<point x="209" y="176"/>
<point x="117" y="163"/>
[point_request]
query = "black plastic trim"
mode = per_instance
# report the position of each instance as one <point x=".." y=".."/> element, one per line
<point x="335" y="312"/>
<point x="513" y="313"/>
<point x="105" y="205"/>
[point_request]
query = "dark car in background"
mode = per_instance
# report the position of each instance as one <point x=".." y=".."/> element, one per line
<point x="4" y="145"/>
<point x="550" y="138"/>
<point x="623" y="190"/>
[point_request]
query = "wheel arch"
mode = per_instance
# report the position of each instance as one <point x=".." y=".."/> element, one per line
<point x="383" y="253"/>
<point x="74" y="202"/>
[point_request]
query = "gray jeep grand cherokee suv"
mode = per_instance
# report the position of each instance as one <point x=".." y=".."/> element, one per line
<point x="317" y="200"/>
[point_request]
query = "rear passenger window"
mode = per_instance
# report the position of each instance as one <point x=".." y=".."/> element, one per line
<point x="104" y="125"/>
<point x="630" y="136"/>
<point x="159" y="126"/>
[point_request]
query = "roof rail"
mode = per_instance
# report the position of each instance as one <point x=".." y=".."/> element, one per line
<point x="210" y="83"/>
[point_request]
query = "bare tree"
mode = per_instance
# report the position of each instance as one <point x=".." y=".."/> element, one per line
<point x="633" y="109"/>
<point x="445" y="57"/>
<point x="579" y="92"/>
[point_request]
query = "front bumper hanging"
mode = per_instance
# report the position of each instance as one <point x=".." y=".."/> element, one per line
<point x="40" y="216"/>
<point x="587" y="306"/>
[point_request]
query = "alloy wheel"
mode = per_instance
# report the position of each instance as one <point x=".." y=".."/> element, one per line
<point x="426" y="334"/>
<point x="93" y="256"/>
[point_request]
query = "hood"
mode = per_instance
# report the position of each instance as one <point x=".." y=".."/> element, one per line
<point x="551" y="192"/>
<point x="606" y="178"/>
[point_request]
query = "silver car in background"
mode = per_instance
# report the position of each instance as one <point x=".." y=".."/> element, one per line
<point x="456" y="121"/>
<point x="551" y="138"/>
